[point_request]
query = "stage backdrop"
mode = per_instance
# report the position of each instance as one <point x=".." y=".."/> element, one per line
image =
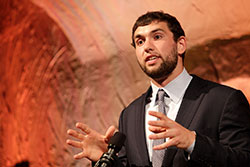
<point x="64" y="61"/>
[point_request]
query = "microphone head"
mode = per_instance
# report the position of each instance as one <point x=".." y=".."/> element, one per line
<point x="117" y="141"/>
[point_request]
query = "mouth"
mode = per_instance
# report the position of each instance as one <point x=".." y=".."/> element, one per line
<point x="151" y="59"/>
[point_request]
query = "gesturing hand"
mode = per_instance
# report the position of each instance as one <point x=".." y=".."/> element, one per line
<point x="92" y="143"/>
<point x="167" y="128"/>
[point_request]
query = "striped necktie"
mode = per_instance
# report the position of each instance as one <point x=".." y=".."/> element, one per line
<point x="158" y="155"/>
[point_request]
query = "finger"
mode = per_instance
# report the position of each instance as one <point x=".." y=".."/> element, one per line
<point x="161" y="146"/>
<point x="172" y="133"/>
<point x="159" y="115"/>
<point x="160" y="135"/>
<point x="110" y="133"/>
<point x="158" y="123"/>
<point x="169" y="143"/>
<point x="182" y="142"/>
<point x="83" y="127"/>
<point x="166" y="133"/>
<point x="156" y="129"/>
<point x="79" y="155"/>
<point x="163" y="121"/>
<point x="74" y="143"/>
<point x="75" y="134"/>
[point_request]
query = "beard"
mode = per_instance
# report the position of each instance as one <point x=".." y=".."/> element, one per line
<point x="166" y="67"/>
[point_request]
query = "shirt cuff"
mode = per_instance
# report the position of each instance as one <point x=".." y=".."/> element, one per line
<point x="190" y="149"/>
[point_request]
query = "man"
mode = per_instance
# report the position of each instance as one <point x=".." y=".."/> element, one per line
<point x="196" y="122"/>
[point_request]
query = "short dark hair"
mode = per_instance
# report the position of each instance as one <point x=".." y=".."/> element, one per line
<point x="172" y="23"/>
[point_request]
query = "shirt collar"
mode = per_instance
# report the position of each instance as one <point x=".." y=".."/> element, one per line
<point x="176" y="88"/>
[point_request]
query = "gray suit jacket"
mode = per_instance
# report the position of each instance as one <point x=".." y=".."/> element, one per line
<point x="219" y="115"/>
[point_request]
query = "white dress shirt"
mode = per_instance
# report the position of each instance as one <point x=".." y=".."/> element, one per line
<point x="175" y="89"/>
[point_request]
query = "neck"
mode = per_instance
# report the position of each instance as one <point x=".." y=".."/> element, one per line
<point x="161" y="82"/>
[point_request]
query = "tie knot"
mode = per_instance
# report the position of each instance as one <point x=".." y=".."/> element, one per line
<point x="161" y="94"/>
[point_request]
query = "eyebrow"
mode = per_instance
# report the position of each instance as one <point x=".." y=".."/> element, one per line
<point x="153" y="31"/>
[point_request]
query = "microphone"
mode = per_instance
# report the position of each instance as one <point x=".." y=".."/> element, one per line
<point x="114" y="146"/>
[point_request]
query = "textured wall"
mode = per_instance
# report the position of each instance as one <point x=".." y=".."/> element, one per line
<point x="67" y="61"/>
<point x="223" y="61"/>
<point x="36" y="96"/>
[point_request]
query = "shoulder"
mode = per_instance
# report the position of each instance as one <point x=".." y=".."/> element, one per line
<point x="214" y="92"/>
<point x="209" y="87"/>
<point x="142" y="99"/>
<point x="137" y="104"/>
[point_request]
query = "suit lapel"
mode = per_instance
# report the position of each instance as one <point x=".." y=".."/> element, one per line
<point x="140" y="128"/>
<point x="190" y="103"/>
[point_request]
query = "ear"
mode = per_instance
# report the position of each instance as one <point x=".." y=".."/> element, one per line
<point x="181" y="45"/>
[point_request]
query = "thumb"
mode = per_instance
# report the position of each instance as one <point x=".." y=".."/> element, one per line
<point x="109" y="133"/>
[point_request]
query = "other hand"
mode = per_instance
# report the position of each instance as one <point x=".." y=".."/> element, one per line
<point x="92" y="143"/>
<point x="166" y="128"/>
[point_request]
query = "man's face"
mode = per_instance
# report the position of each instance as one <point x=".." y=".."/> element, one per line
<point x="156" y="50"/>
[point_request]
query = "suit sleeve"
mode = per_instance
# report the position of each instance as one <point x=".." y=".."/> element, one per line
<point x="232" y="148"/>
<point x="122" y="153"/>
<point x="119" y="160"/>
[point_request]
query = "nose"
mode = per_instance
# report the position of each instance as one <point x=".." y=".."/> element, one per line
<point x="148" y="46"/>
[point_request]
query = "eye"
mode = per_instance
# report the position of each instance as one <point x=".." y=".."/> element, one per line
<point x="139" y="42"/>
<point x="157" y="36"/>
